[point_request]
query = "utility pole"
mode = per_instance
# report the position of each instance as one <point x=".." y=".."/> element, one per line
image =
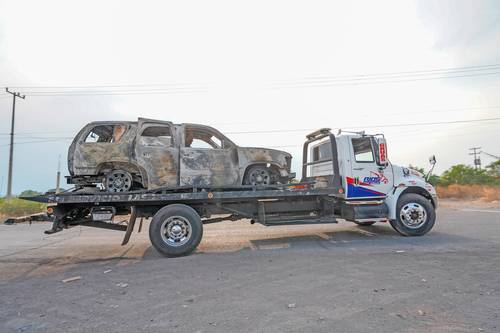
<point x="58" y="179"/>
<point x="477" y="159"/>
<point x="11" y="151"/>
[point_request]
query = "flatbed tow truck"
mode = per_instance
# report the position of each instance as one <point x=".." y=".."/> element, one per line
<point x="345" y="177"/>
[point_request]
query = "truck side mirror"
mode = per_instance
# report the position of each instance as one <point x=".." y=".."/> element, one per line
<point x="381" y="151"/>
<point x="432" y="159"/>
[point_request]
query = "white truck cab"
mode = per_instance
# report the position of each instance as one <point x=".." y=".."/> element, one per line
<point x="367" y="174"/>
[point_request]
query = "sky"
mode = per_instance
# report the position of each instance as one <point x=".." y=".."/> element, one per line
<point x="278" y="68"/>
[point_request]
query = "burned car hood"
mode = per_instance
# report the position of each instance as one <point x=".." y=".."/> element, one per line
<point x="250" y="155"/>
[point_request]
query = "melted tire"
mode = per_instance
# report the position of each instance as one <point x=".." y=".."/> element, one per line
<point x="430" y="219"/>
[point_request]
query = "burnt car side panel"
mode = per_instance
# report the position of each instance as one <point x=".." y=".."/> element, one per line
<point x="202" y="167"/>
<point x="158" y="156"/>
<point x="215" y="165"/>
<point x="88" y="157"/>
<point x="251" y="156"/>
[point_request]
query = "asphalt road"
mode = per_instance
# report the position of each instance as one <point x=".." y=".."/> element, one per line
<point x="244" y="278"/>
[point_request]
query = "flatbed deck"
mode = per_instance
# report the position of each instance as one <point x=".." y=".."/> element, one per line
<point x="186" y="194"/>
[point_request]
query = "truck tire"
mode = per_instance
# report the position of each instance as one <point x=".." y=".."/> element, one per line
<point x="176" y="230"/>
<point x="415" y="215"/>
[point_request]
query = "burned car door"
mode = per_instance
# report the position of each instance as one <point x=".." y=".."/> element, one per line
<point x="208" y="158"/>
<point x="157" y="152"/>
<point x="100" y="143"/>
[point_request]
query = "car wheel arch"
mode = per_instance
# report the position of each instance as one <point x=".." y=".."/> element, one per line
<point x="273" y="166"/>
<point x="130" y="167"/>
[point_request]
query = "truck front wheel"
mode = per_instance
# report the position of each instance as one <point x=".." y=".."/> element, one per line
<point x="415" y="215"/>
<point x="176" y="230"/>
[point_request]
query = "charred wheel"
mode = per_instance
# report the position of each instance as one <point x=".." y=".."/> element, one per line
<point x="259" y="175"/>
<point x="118" y="181"/>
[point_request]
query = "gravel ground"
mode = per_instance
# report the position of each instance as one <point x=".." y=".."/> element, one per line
<point x="248" y="278"/>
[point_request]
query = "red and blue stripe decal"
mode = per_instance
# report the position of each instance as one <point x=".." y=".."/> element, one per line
<point x="356" y="189"/>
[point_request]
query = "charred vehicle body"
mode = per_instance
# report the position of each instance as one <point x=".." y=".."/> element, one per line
<point x="150" y="154"/>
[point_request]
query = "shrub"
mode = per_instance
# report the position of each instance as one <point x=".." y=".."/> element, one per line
<point x="17" y="207"/>
<point x="470" y="192"/>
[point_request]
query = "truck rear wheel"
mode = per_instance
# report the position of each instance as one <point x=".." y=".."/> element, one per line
<point x="415" y="215"/>
<point x="176" y="230"/>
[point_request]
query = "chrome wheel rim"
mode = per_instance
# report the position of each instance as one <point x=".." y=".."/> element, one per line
<point x="260" y="177"/>
<point x="413" y="215"/>
<point x="176" y="231"/>
<point x="118" y="181"/>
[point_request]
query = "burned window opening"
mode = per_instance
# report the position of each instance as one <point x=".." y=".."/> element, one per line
<point x="106" y="133"/>
<point x="157" y="136"/>
<point x="203" y="139"/>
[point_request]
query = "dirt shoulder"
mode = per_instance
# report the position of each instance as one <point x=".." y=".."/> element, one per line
<point x="458" y="203"/>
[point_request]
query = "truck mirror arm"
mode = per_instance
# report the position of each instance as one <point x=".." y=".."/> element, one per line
<point x="432" y="160"/>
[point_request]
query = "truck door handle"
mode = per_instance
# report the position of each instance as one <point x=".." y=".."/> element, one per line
<point x="358" y="169"/>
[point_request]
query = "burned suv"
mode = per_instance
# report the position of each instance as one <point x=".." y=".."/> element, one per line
<point x="150" y="154"/>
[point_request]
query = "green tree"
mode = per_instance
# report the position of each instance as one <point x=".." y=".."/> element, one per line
<point x="463" y="174"/>
<point x="493" y="169"/>
<point x="29" y="193"/>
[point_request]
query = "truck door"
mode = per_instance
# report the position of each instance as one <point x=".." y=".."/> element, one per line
<point x="157" y="152"/>
<point x="207" y="158"/>
<point x="368" y="179"/>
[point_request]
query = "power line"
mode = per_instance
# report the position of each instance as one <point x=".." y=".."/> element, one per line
<point x="37" y="141"/>
<point x="318" y="81"/>
<point x="411" y="73"/>
<point x="191" y="85"/>
<point x="370" y="126"/>
<point x="175" y="85"/>
<point x="115" y="92"/>
<point x="491" y="155"/>
<point x="347" y="127"/>
<point x="297" y="84"/>
<point x="335" y="82"/>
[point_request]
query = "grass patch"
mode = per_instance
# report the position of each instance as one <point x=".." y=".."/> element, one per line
<point x="470" y="192"/>
<point x="17" y="207"/>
